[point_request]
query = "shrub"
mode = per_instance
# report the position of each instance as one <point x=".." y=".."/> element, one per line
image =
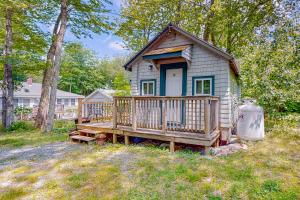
<point x="21" y="126"/>
<point x="63" y="126"/>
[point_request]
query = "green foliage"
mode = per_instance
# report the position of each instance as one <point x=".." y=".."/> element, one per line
<point x="121" y="84"/>
<point x="63" y="126"/>
<point x="20" y="126"/>
<point x="270" y="71"/>
<point x="83" y="72"/>
<point x="22" y="112"/>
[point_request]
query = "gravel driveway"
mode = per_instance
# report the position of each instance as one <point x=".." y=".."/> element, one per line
<point x="11" y="157"/>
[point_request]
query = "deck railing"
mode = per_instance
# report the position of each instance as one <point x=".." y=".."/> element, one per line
<point x="94" y="111"/>
<point x="198" y="114"/>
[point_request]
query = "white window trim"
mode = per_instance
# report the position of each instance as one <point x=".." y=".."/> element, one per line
<point x="202" y="89"/>
<point x="147" y="82"/>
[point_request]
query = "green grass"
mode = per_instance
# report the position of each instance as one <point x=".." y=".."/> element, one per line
<point x="22" y="136"/>
<point x="269" y="169"/>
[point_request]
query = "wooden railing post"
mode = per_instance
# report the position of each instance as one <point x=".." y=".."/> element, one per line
<point x="79" y="115"/>
<point x="115" y="113"/>
<point x="217" y="114"/>
<point x="164" y="115"/>
<point x="133" y="110"/>
<point x="207" y="116"/>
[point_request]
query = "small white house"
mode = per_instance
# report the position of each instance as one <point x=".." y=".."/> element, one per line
<point x="28" y="95"/>
<point x="177" y="63"/>
<point x="100" y="95"/>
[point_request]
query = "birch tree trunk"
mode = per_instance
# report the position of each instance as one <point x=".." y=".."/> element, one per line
<point x="8" y="87"/>
<point x="60" y="38"/>
<point x="57" y="37"/>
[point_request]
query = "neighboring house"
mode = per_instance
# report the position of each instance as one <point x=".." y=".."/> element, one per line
<point x="28" y="95"/>
<point x="176" y="63"/>
<point x="100" y="95"/>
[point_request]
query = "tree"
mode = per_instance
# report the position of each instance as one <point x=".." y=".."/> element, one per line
<point x="121" y="84"/>
<point x="271" y="72"/>
<point x="83" y="72"/>
<point x="20" y="30"/>
<point x="82" y="17"/>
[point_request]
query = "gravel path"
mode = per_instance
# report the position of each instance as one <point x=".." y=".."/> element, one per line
<point x="11" y="157"/>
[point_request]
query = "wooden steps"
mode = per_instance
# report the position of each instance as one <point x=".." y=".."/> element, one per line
<point x="84" y="135"/>
<point x="79" y="138"/>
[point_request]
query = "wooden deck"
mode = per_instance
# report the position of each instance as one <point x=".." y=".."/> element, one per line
<point x="189" y="120"/>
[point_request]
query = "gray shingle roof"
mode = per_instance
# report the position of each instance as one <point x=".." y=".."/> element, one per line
<point x="34" y="91"/>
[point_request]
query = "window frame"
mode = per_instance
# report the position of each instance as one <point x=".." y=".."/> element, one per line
<point x="147" y="81"/>
<point x="73" y="100"/>
<point x="202" y="79"/>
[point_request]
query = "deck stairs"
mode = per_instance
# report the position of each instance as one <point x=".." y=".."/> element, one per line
<point x="84" y="136"/>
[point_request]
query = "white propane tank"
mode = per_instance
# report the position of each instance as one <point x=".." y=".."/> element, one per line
<point x="250" y="125"/>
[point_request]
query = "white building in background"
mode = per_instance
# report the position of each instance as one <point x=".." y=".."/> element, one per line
<point x="100" y="95"/>
<point x="28" y="95"/>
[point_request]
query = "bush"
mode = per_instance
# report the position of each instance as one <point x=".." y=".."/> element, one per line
<point x="21" y="126"/>
<point x="63" y="126"/>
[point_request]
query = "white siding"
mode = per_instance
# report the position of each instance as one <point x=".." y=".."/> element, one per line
<point x="203" y="63"/>
<point x="235" y="96"/>
<point x="140" y="71"/>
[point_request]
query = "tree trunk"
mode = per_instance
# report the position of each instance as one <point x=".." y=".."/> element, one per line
<point x="207" y="27"/>
<point x="41" y="117"/>
<point x="8" y="87"/>
<point x="60" y="38"/>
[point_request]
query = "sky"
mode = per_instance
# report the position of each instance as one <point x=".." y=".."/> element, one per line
<point x="104" y="45"/>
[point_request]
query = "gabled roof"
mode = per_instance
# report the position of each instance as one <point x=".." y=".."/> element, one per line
<point x="105" y="92"/>
<point x="199" y="41"/>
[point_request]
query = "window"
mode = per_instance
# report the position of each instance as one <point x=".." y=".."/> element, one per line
<point x="15" y="102"/>
<point x="203" y="85"/>
<point x="26" y="102"/>
<point x="73" y="102"/>
<point x="66" y="102"/>
<point x="148" y="87"/>
<point x="58" y="101"/>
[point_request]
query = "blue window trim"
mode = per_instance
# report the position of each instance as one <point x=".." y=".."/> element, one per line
<point x="147" y="80"/>
<point x="164" y="55"/>
<point x="163" y="70"/>
<point x="203" y="77"/>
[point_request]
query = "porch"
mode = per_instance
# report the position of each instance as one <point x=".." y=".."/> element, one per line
<point x="188" y="120"/>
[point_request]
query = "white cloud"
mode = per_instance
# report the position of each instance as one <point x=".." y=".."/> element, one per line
<point x="116" y="46"/>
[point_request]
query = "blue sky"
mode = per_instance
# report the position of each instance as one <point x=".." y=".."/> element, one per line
<point x="105" y="45"/>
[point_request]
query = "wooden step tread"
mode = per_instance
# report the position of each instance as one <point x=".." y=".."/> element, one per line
<point x="89" y="131"/>
<point x="82" y="138"/>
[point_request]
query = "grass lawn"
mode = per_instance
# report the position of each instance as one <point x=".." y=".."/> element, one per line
<point x="269" y="169"/>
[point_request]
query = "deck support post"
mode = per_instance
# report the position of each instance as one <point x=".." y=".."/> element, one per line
<point x="206" y="150"/>
<point x="79" y="117"/>
<point x="164" y="115"/>
<point x="207" y="116"/>
<point x="114" y="138"/>
<point x="172" y="146"/>
<point x="133" y="109"/>
<point x="115" y="113"/>
<point x="126" y="140"/>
